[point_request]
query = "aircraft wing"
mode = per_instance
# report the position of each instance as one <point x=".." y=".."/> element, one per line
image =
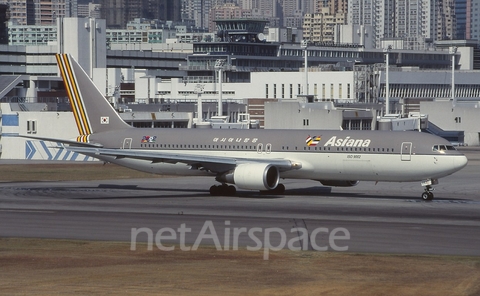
<point x="212" y="163"/>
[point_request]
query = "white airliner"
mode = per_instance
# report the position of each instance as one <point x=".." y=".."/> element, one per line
<point x="253" y="159"/>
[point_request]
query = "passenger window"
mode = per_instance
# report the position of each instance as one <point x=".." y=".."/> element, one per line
<point x="268" y="148"/>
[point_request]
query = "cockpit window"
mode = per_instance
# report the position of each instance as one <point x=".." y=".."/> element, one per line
<point x="442" y="148"/>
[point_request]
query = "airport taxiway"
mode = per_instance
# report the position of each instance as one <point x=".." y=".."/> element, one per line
<point x="380" y="218"/>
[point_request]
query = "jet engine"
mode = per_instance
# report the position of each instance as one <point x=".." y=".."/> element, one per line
<point x="341" y="183"/>
<point x="253" y="176"/>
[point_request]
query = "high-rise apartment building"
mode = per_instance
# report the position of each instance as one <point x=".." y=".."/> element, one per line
<point x="225" y="12"/>
<point x="32" y="12"/>
<point x="286" y="13"/>
<point x="71" y="8"/>
<point x="118" y="13"/>
<point x="461" y="18"/>
<point x="197" y="11"/>
<point x="368" y="13"/>
<point x="361" y="12"/>
<point x="3" y="23"/>
<point x="408" y="18"/>
<point x="168" y="10"/>
<point x="445" y="19"/>
<point x="89" y="10"/>
<point x="291" y="12"/>
<point x="320" y="27"/>
<point x="414" y="21"/>
<point x="474" y="21"/>
<point x="334" y="5"/>
<point x="114" y="12"/>
<point x="47" y="12"/>
<point x="21" y="12"/>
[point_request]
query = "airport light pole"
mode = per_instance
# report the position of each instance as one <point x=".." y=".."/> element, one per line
<point x="453" y="51"/>
<point x="220" y="65"/>
<point x="305" y="48"/>
<point x="199" y="91"/>
<point x="387" y="86"/>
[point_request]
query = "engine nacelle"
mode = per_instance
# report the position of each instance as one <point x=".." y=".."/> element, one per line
<point x="253" y="176"/>
<point x="341" y="183"/>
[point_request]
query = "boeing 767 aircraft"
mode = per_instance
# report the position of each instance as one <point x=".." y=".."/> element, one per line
<point x="253" y="159"/>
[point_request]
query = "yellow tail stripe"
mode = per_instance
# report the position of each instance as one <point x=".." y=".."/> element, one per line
<point x="83" y="139"/>
<point x="61" y="66"/>
<point x="73" y="100"/>
<point x="78" y="101"/>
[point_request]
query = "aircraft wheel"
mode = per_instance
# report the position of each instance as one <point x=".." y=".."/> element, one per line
<point x="214" y="190"/>
<point x="231" y="190"/>
<point x="430" y="195"/>
<point x="228" y="190"/>
<point x="427" y="195"/>
<point x="280" y="189"/>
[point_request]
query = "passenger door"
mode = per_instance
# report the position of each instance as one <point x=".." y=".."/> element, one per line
<point x="406" y="152"/>
<point x="127" y="143"/>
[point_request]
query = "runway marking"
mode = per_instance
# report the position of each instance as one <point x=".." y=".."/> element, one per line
<point x="28" y="211"/>
<point x="449" y="201"/>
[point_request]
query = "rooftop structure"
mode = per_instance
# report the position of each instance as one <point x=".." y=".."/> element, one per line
<point x="241" y="30"/>
<point x="240" y="45"/>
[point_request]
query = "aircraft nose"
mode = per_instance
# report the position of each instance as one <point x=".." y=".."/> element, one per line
<point x="460" y="162"/>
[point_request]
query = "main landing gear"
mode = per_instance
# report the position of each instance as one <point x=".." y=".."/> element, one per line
<point x="428" y="194"/>
<point x="224" y="189"/>
<point x="280" y="189"/>
<point x="230" y="190"/>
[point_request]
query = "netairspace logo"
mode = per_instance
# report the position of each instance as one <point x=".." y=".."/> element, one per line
<point x="268" y="239"/>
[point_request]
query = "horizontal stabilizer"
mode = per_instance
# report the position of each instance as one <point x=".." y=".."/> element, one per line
<point x="64" y="141"/>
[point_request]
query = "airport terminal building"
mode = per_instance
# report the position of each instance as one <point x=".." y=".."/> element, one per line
<point x="345" y="85"/>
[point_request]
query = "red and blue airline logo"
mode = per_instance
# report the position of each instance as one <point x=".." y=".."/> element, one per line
<point x="149" y="139"/>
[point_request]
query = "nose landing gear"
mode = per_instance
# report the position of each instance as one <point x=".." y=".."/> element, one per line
<point x="428" y="194"/>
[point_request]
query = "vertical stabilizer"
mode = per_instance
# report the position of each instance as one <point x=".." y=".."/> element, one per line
<point x="92" y="112"/>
